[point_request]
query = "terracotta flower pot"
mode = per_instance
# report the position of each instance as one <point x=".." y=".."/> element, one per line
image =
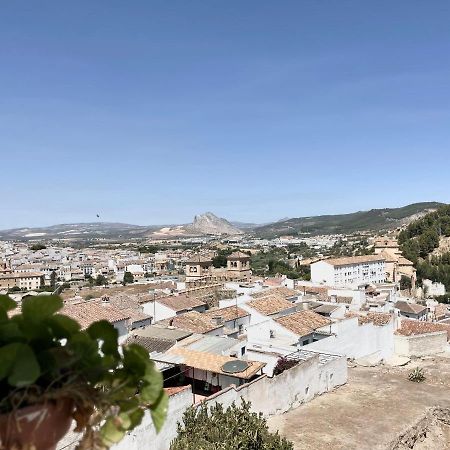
<point x="39" y="426"/>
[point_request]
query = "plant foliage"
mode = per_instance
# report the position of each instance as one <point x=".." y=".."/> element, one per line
<point x="46" y="356"/>
<point x="284" y="364"/>
<point x="417" y="375"/>
<point x="226" y="429"/>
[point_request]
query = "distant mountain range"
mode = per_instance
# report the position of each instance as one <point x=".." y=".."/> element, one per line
<point x="210" y="224"/>
<point x="375" y="219"/>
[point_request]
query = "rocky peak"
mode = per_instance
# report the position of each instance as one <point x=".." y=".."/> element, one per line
<point x="209" y="223"/>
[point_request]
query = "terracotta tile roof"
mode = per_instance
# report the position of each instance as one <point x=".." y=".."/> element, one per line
<point x="378" y="319"/>
<point x="195" y="259"/>
<point x="238" y="255"/>
<point x="320" y="291"/>
<point x="348" y="260"/>
<point x="270" y="305"/>
<point x="410" y="308"/>
<point x="415" y="327"/>
<point x="91" y="311"/>
<point x="228" y="313"/>
<point x="281" y="291"/>
<point x="180" y="302"/>
<point x="170" y="391"/>
<point x="441" y="311"/>
<point x="192" y="321"/>
<point x="303" y="322"/>
<point x="213" y="363"/>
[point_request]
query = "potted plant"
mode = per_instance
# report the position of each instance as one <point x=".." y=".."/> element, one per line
<point x="52" y="372"/>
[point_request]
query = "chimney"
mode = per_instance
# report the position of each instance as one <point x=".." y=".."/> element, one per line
<point x="218" y="319"/>
<point x="105" y="300"/>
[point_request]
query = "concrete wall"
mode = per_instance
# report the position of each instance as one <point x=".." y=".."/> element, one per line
<point x="288" y="390"/>
<point x="421" y="345"/>
<point x="357" y="341"/>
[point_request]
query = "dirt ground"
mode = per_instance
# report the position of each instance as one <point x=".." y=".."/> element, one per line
<point x="370" y="411"/>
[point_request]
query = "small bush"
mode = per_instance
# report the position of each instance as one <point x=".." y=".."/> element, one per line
<point x="284" y="364"/>
<point x="226" y="429"/>
<point x="417" y="375"/>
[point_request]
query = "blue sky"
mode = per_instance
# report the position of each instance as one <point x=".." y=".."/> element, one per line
<point x="152" y="111"/>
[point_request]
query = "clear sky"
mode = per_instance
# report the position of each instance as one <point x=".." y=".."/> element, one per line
<point x="152" y="111"/>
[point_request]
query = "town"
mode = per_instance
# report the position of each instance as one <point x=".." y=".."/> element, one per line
<point x="274" y="321"/>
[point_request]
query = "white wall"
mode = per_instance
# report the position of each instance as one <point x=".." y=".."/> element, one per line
<point x="160" y="311"/>
<point x="357" y="341"/>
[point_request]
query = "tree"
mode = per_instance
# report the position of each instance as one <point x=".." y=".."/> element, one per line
<point x="53" y="279"/>
<point x="36" y="247"/>
<point x="405" y="283"/>
<point x="128" y="278"/>
<point x="228" y="429"/>
<point x="101" y="280"/>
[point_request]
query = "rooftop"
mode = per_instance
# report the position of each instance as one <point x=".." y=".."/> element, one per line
<point x="160" y="332"/>
<point x="270" y="305"/>
<point x="214" y="363"/>
<point x="90" y="311"/>
<point x="303" y="322"/>
<point x="151" y="344"/>
<point x="415" y="327"/>
<point x="228" y="313"/>
<point x="193" y="321"/>
<point x="348" y="260"/>
<point x="180" y="302"/>
<point x="409" y="308"/>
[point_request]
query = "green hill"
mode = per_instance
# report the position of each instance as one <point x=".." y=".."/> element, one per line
<point x="375" y="219"/>
<point x="421" y="238"/>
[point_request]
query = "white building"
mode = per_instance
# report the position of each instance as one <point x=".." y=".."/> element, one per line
<point x="349" y="271"/>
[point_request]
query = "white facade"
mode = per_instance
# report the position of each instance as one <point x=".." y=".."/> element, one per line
<point x="352" y="272"/>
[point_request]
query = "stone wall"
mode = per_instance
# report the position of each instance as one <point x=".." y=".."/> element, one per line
<point x="421" y="344"/>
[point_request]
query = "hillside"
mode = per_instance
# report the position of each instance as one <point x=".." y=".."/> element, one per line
<point x="77" y="231"/>
<point x="375" y="219"/>
<point x="202" y="224"/>
<point x="425" y="242"/>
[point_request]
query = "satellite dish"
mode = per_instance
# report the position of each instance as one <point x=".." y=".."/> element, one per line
<point x="235" y="366"/>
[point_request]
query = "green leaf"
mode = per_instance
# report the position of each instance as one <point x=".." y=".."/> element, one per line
<point x="111" y="431"/>
<point x="136" y="418"/>
<point x="19" y="364"/>
<point x="159" y="411"/>
<point x="7" y="303"/>
<point x="105" y="332"/>
<point x="152" y="388"/>
<point x="63" y="326"/>
<point x="135" y="359"/>
<point x="10" y="331"/>
<point x="39" y="307"/>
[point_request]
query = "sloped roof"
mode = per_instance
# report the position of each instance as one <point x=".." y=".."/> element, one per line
<point x="238" y="255"/>
<point x="303" y="322"/>
<point x="348" y="260"/>
<point x="195" y="259"/>
<point x="409" y="308"/>
<point x="415" y="327"/>
<point x="180" y="302"/>
<point x="214" y="363"/>
<point x="151" y="344"/>
<point x="270" y="305"/>
<point x="193" y="321"/>
<point x="228" y="313"/>
<point x="91" y="311"/>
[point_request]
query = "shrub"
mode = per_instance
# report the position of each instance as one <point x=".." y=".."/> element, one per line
<point x="284" y="364"/>
<point x="417" y="375"/>
<point x="226" y="429"/>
